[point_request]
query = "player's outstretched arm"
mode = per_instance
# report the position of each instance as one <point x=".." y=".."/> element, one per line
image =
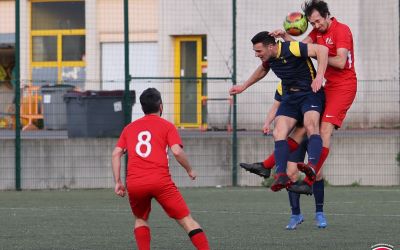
<point x="321" y="52"/>
<point x="257" y="75"/>
<point x="181" y="157"/>
<point x="116" y="168"/>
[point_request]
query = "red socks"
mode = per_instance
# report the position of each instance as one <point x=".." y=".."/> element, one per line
<point x="322" y="158"/>
<point x="270" y="161"/>
<point x="199" y="239"/>
<point x="143" y="237"/>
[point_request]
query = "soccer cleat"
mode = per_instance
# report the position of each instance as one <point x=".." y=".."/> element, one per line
<point x="256" y="168"/>
<point x="320" y="220"/>
<point x="294" y="221"/>
<point x="300" y="188"/>
<point x="281" y="181"/>
<point x="308" y="170"/>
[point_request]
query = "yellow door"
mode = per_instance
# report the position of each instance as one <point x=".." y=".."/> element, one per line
<point x="188" y="61"/>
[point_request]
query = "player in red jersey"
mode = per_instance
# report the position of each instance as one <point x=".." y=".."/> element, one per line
<point x="146" y="141"/>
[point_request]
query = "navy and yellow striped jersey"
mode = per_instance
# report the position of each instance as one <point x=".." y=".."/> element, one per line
<point x="292" y="65"/>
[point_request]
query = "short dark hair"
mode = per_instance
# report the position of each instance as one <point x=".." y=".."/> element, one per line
<point x="150" y="100"/>
<point x="263" y="37"/>
<point x="318" y="5"/>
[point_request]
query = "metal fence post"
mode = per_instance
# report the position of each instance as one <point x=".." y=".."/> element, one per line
<point x="234" y="122"/>
<point x="17" y="99"/>
<point x="127" y="98"/>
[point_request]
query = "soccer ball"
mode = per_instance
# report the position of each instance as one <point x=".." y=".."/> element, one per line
<point x="295" y="23"/>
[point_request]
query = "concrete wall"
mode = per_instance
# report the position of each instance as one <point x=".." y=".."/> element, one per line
<point x="143" y="20"/>
<point x="47" y="164"/>
<point x="363" y="157"/>
<point x="7" y="16"/>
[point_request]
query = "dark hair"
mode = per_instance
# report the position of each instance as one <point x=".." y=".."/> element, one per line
<point x="263" y="37"/>
<point x="150" y="100"/>
<point x="318" y="5"/>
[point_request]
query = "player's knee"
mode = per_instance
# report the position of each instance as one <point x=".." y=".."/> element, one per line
<point x="279" y="134"/>
<point x="188" y="223"/>
<point x="140" y="223"/>
<point x="311" y="128"/>
<point x="325" y="131"/>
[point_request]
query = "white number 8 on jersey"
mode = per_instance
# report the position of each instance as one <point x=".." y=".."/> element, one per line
<point x="145" y="142"/>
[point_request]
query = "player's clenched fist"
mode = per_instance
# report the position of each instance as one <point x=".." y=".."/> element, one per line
<point x="119" y="189"/>
<point x="278" y="33"/>
<point x="192" y="174"/>
<point x="237" y="89"/>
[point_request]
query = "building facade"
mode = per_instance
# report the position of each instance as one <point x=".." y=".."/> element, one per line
<point x="82" y="43"/>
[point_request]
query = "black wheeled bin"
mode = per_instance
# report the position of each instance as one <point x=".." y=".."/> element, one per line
<point x="54" y="107"/>
<point x="95" y="113"/>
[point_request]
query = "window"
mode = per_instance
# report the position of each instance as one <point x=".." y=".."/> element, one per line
<point x="58" y="15"/>
<point x="73" y="48"/>
<point x="44" y="49"/>
<point x="58" y="42"/>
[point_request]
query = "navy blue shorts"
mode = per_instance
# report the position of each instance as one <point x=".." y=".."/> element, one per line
<point x="295" y="104"/>
<point x="300" y="153"/>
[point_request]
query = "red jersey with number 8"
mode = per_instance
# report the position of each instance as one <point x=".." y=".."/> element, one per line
<point x="337" y="36"/>
<point x="147" y="140"/>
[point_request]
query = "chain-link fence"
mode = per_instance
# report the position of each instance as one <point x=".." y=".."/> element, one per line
<point x="72" y="74"/>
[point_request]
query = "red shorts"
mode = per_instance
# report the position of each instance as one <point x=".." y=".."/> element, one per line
<point x="337" y="102"/>
<point x="166" y="193"/>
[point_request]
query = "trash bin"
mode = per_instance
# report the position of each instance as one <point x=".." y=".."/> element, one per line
<point x="54" y="107"/>
<point x="95" y="113"/>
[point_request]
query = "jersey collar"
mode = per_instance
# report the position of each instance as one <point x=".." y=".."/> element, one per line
<point x="333" y="24"/>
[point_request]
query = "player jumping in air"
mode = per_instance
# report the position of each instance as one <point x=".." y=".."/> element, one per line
<point x="297" y="135"/>
<point x="340" y="89"/>
<point x="302" y="98"/>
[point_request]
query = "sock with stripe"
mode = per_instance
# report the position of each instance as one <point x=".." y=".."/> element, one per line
<point x="199" y="239"/>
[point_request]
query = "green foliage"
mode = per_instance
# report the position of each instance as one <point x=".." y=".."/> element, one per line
<point x="398" y="159"/>
<point x="267" y="182"/>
